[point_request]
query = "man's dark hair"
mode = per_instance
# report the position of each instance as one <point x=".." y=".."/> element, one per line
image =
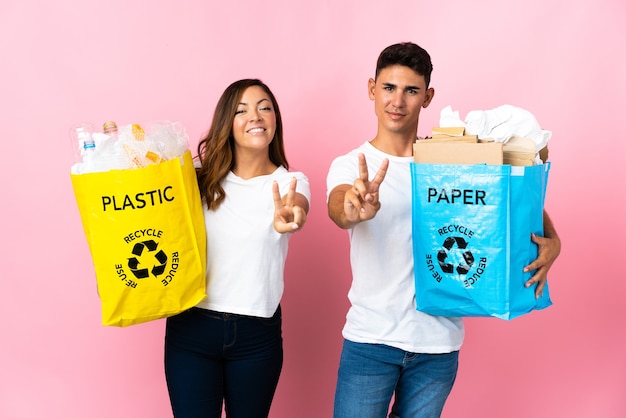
<point x="409" y="55"/>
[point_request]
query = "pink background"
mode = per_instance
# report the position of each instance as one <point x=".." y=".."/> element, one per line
<point x="138" y="61"/>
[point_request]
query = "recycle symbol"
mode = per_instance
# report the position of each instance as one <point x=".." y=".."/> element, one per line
<point x="159" y="257"/>
<point x="448" y="245"/>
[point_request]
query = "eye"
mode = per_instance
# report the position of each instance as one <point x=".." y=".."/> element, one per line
<point x="412" y="91"/>
<point x="240" y="111"/>
<point x="266" y="108"/>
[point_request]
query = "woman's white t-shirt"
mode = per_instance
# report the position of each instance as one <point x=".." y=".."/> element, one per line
<point x="245" y="254"/>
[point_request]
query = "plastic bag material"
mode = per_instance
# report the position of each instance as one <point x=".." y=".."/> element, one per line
<point x="471" y="238"/>
<point x="147" y="238"/>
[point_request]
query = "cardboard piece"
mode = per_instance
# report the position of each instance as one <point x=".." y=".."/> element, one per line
<point x="444" y="137"/>
<point x="451" y="145"/>
<point x="449" y="131"/>
<point x="453" y="152"/>
<point x="519" y="151"/>
<point x="451" y="134"/>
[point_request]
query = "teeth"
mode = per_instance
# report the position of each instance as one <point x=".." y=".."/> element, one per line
<point x="256" y="130"/>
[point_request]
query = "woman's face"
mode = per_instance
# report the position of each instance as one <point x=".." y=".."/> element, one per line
<point x="254" y="124"/>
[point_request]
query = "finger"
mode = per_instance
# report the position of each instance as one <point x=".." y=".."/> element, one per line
<point x="537" y="239"/>
<point x="282" y="219"/>
<point x="359" y="189"/>
<point x="278" y="201"/>
<point x="380" y="174"/>
<point x="542" y="257"/>
<point x="540" y="263"/>
<point x="354" y="199"/>
<point x="291" y="194"/>
<point x="363" y="173"/>
<point x="283" y="228"/>
<point x="534" y="265"/>
<point x="539" y="289"/>
<point x="540" y="280"/>
<point x="352" y="205"/>
<point x="299" y="217"/>
<point x="532" y="280"/>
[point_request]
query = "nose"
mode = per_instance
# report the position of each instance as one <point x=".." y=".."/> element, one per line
<point x="397" y="99"/>
<point x="255" y="115"/>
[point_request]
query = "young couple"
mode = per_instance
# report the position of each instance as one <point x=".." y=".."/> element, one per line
<point x="228" y="349"/>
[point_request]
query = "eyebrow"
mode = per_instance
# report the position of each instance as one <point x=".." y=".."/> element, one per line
<point x="406" y="88"/>
<point x="259" y="102"/>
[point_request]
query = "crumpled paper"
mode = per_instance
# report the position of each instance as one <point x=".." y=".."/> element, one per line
<point x="499" y="124"/>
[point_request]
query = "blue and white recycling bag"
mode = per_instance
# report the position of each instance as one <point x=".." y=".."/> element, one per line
<point x="471" y="238"/>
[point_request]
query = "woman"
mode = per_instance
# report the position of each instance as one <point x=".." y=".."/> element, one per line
<point x="229" y="347"/>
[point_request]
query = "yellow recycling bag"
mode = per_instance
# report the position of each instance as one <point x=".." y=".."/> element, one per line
<point x="147" y="238"/>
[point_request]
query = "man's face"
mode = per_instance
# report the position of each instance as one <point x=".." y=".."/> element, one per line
<point x="399" y="93"/>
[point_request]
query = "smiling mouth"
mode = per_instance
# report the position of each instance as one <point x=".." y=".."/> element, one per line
<point x="256" y="130"/>
<point x="396" y="115"/>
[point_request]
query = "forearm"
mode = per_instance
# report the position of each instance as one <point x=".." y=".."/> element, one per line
<point x="301" y="201"/>
<point x="548" y="227"/>
<point x="549" y="248"/>
<point x="336" y="207"/>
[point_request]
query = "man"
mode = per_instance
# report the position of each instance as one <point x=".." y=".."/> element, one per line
<point x="390" y="348"/>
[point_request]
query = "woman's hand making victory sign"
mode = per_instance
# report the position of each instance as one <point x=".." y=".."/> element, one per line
<point x="290" y="210"/>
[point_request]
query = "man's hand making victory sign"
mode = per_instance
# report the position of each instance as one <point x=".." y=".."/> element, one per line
<point x="349" y="205"/>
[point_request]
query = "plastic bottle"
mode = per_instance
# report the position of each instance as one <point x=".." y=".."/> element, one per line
<point x="83" y="143"/>
<point x="89" y="148"/>
<point x="110" y="128"/>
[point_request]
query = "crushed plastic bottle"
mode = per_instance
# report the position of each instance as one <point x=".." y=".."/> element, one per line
<point x="110" y="128"/>
<point x="128" y="146"/>
<point x="81" y="137"/>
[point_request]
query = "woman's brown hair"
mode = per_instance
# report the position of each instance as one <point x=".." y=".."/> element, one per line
<point x="216" y="149"/>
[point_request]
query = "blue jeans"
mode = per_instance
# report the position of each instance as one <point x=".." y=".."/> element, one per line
<point x="213" y="357"/>
<point x="370" y="374"/>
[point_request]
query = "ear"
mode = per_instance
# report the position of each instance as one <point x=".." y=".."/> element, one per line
<point x="371" y="87"/>
<point x="430" y="93"/>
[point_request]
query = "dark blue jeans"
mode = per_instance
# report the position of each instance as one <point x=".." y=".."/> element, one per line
<point x="213" y="357"/>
